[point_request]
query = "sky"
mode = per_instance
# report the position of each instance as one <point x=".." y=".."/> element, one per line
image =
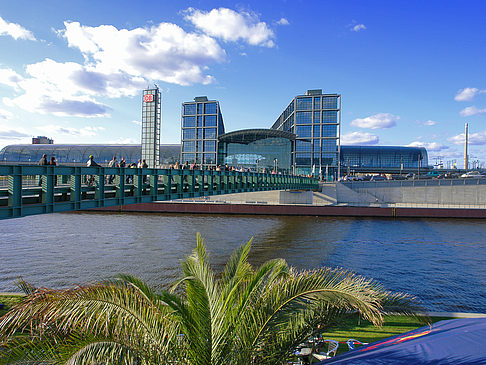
<point x="410" y="73"/>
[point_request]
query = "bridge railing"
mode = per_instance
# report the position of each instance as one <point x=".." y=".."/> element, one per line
<point x="32" y="189"/>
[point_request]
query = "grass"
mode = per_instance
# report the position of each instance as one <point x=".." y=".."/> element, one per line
<point x="8" y="301"/>
<point x="364" y="331"/>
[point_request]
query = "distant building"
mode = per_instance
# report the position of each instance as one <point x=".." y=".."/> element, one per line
<point x="151" y="116"/>
<point x="315" y="119"/>
<point x="42" y="140"/>
<point x="201" y="124"/>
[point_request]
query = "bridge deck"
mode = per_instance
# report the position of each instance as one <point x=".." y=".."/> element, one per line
<point x="29" y="189"/>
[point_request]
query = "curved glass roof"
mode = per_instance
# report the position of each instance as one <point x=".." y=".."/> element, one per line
<point x="246" y="136"/>
<point x="70" y="153"/>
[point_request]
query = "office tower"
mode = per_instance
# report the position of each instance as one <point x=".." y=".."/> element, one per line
<point x="202" y="123"/>
<point x="315" y="118"/>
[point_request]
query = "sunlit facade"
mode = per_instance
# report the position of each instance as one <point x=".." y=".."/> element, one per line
<point x="383" y="157"/>
<point x="315" y="119"/>
<point x="202" y="123"/>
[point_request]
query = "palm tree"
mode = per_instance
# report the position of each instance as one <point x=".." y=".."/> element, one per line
<point x="240" y="316"/>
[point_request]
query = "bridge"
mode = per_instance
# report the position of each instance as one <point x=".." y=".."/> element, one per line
<point x="31" y="189"/>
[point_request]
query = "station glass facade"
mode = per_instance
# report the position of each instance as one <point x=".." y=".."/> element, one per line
<point x="202" y="123"/>
<point x="383" y="157"/>
<point x="315" y="119"/>
<point x="151" y="116"/>
<point x="257" y="149"/>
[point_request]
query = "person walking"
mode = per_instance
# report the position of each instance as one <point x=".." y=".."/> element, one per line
<point x="42" y="162"/>
<point x="53" y="162"/>
<point x="112" y="163"/>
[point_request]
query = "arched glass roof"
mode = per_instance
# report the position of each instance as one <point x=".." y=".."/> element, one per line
<point x="246" y="136"/>
<point x="70" y="153"/>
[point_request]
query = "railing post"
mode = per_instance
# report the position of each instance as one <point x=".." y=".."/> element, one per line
<point x="14" y="182"/>
<point x="48" y="189"/>
<point x="154" y="183"/>
<point x="138" y="184"/>
<point x="100" y="187"/>
<point x="75" y="187"/>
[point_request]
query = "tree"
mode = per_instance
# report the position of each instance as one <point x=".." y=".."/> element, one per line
<point x="240" y="316"/>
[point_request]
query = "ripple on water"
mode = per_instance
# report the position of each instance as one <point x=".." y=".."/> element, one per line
<point x="439" y="261"/>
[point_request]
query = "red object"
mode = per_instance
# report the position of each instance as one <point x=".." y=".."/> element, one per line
<point x="148" y="98"/>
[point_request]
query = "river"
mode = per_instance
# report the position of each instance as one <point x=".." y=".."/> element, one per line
<point x="441" y="261"/>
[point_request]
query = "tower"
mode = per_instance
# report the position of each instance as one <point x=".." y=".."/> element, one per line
<point x="151" y="116"/>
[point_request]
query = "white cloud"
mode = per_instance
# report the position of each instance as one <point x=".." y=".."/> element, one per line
<point x="358" y="27"/>
<point x="137" y="122"/>
<point x="164" y="52"/>
<point x="430" y="146"/>
<point x="473" y="139"/>
<point x="380" y="120"/>
<point x="127" y="140"/>
<point x="5" y="114"/>
<point x="283" y="21"/>
<point x="15" y="31"/>
<point x="471" y="110"/>
<point x="359" y="138"/>
<point x="468" y="94"/>
<point x="87" y="131"/>
<point x="428" y="123"/>
<point x="10" y="78"/>
<point x="230" y="25"/>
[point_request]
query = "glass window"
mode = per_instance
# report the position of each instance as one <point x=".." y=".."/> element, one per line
<point x="210" y="133"/>
<point x="303" y="117"/>
<point x="188" y="146"/>
<point x="317" y="117"/>
<point x="304" y="131"/>
<point x="189" y="157"/>
<point x="209" y="146"/>
<point x="200" y="108"/>
<point x="303" y="146"/>
<point x="189" y="133"/>
<point x="303" y="159"/>
<point x="329" y="130"/>
<point x="199" y="121"/>
<point x="209" y="158"/>
<point x="189" y="122"/>
<point x="329" y="116"/>
<point x="317" y="131"/>
<point x="304" y="103"/>
<point x="317" y="103"/>
<point x="329" y="102"/>
<point x="210" y="121"/>
<point x="189" y="109"/>
<point x="199" y="133"/>
<point x="210" y="108"/>
<point x="329" y="145"/>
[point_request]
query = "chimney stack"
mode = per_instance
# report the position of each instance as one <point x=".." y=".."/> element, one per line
<point x="466" y="159"/>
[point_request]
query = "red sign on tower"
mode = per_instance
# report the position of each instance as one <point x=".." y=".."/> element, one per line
<point x="148" y="98"/>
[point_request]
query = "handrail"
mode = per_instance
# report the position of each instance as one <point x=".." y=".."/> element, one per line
<point x="33" y="189"/>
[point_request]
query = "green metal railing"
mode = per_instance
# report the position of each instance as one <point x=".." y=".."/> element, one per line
<point x="27" y="190"/>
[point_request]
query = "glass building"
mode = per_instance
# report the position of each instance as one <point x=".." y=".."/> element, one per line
<point x="151" y="116"/>
<point x="382" y="157"/>
<point x="202" y="124"/>
<point x="315" y="119"/>
<point x="257" y="149"/>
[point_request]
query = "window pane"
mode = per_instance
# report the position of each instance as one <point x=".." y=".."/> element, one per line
<point x="317" y="103"/>
<point x="304" y="118"/>
<point x="304" y="104"/>
<point x="317" y="130"/>
<point x="210" y="121"/>
<point x="210" y="108"/>
<point x="189" y="109"/>
<point x="200" y="108"/>
<point x="303" y="146"/>
<point x="210" y="133"/>
<point x="189" y="122"/>
<point x="189" y="146"/>
<point x="304" y="131"/>
<point x="329" y="130"/>
<point x="189" y="133"/>
<point x="329" y="102"/>
<point x="329" y="116"/>
<point x="209" y="146"/>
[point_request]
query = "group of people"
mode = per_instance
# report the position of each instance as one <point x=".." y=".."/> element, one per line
<point x="44" y="162"/>
<point x="194" y="166"/>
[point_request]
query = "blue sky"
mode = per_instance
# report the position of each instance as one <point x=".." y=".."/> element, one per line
<point x="410" y="73"/>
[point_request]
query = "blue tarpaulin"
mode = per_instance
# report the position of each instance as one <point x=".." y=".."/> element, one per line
<point x="455" y="341"/>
